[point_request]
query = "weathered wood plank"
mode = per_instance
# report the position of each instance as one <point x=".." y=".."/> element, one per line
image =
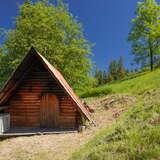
<point x="27" y="101"/>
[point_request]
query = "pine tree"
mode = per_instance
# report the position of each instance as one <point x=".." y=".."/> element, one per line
<point x="100" y="76"/>
<point x="105" y="77"/>
<point x="121" y="69"/>
<point x="113" y="69"/>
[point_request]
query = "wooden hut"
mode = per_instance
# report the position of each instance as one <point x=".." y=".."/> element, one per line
<point x="38" y="96"/>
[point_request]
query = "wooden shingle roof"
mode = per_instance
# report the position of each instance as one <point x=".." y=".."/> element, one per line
<point x="14" y="81"/>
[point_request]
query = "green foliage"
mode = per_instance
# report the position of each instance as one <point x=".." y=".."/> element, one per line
<point x="100" y="76"/>
<point x="136" y="83"/>
<point x="134" y="136"/>
<point x="4" y="69"/>
<point x="115" y="72"/>
<point x="96" y="92"/>
<point x="113" y="69"/>
<point x="121" y="70"/>
<point x="144" y="32"/>
<point x="55" y="33"/>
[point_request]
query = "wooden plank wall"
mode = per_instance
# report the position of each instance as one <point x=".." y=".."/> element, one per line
<point x="25" y="100"/>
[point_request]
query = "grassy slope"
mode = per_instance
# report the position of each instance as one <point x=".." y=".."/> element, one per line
<point x="136" y="136"/>
<point x="136" y="85"/>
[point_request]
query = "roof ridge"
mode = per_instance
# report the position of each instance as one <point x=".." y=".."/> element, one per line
<point x="54" y="72"/>
<point x="66" y="86"/>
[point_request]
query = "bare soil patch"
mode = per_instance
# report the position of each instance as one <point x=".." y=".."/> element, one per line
<point x="61" y="146"/>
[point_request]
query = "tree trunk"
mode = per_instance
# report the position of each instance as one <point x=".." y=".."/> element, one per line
<point x="151" y="55"/>
<point x="151" y="59"/>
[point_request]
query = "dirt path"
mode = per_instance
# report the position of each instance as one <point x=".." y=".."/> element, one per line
<point x="58" y="147"/>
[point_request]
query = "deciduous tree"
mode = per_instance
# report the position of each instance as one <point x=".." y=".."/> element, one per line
<point x="143" y="34"/>
<point x="55" y="33"/>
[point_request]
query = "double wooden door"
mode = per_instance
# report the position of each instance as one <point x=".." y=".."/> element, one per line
<point x="49" y="111"/>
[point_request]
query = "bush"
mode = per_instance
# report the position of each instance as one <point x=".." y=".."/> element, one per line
<point x="95" y="92"/>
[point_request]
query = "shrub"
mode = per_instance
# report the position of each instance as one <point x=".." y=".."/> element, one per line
<point x="95" y="92"/>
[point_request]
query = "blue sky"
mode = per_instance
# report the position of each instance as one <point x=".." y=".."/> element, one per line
<point x="106" y="23"/>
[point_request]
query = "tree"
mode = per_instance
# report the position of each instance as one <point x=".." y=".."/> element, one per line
<point x="116" y="71"/>
<point x="101" y="76"/>
<point x="109" y="78"/>
<point x="113" y="69"/>
<point x="121" y="69"/>
<point x="105" y="76"/>
<point x="98" y="76"/>
<point x="55" y="33"/>
<point x="145" y="43"/>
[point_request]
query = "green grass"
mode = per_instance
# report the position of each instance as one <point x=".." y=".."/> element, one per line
<point x="136" y="85"/>
<point x="136" y="135"/>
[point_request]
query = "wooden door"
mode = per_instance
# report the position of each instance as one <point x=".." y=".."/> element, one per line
<point x="49" y="111"/>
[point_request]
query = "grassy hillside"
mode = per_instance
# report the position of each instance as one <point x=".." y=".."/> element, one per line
<point x="136" y="135"/>
<point x="136" y="85"/>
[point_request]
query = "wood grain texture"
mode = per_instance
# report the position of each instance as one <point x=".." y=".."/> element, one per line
<point x="49" y="111"/>
<point x="36" y="90"/>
